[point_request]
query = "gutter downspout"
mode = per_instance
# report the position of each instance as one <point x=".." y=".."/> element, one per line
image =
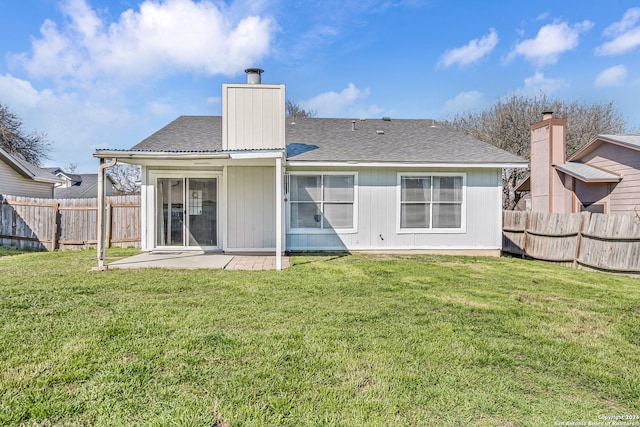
<point x="101" y="208"/>
<point x="279" y="213"/>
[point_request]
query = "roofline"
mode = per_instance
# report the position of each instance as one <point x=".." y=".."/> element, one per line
<point x="126" y="154"/>
<point x="18" y="167"/>
<point x="297" y="163"/>
<point x="602" y="138"/>
<point x="522" y="183"/>
<point x="587" y="180"/>
<point x="182" y="155"/>
<point x="53" y="180"/>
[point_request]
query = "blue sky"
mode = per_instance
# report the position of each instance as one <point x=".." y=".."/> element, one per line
<point x="107" y="73"/>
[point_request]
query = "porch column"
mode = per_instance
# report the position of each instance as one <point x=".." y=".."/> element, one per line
<point x="279" y="213"/>
<point x="101" y="237"/>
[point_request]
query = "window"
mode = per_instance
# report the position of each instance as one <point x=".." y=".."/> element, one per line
<point x="430" y="202"/>
<point x="593" y="208"/>
<point x="322" y="202"/>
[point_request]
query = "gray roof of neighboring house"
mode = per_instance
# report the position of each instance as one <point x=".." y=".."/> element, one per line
<point x="87" y="182"/>
<point x="36" y="173"/>
<point x="631" y="140"/>
<point x="333" y="140"/>
<point x="586" y="173"/>
<point x="628" y="141"/>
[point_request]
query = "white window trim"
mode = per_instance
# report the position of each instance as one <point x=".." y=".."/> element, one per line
<point x="463" y="213"/>
<point x="154" y="175"/>
<point x="353" y="230"/>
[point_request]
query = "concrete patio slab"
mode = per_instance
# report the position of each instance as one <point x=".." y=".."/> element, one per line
<point x="199" y="259"/>
<point x="256" y="262"/>
<point x="183" y="260"/>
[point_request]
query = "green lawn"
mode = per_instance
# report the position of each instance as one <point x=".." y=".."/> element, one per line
<point x="334" y="340"/>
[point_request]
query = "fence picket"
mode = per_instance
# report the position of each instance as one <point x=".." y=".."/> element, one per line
<point x="28" y="223"/>
<point x="600" y="241"/>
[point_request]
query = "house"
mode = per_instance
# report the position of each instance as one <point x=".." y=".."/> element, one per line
<point x="601" y="177"/>
<point x="21" y="178"/>
<point x="255" y="181"/>
<point x="78" y="186"/>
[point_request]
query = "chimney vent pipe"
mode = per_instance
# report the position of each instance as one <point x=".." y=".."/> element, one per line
<point x="253" y="76"/>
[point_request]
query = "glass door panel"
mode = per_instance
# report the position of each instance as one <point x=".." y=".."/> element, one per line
<point x="202" y="210"/>
<point x="187" y="212"/>
<point x="170" y="212"/>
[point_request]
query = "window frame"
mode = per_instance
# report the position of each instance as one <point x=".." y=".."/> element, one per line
<point x="321" y="230"/>
<point x="431" y="229"/>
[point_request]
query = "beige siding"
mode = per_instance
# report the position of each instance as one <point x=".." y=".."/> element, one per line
<point x="12" y="183"/>
<point x="625" y="196"/>
<point x="251" y="208"/>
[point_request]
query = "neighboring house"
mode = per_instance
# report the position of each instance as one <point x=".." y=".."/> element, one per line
<point x="78" y="186"/>
<point x="601" y="177"/>
<point x="21" y="178"/>
<point x="255" y="181"/>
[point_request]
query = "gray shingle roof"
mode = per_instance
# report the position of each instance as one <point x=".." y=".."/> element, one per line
<point x="631" y="140"/>
<point x="333" y="140"/>
<point x="186" y="133"/>
<point x="586" y="173"/>
<point x="36" y="173"/>
<point x="86" y="182"/>
<point x="396" y="140"/>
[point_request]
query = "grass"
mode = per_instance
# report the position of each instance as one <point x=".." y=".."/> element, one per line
<point x="335" y="340"/>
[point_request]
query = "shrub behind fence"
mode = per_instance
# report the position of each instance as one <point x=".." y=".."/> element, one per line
<point x="599" y="241"/>
<point x="48" y="224"/>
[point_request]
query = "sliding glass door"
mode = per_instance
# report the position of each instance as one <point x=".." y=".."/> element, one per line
<point x="186" y="212"/>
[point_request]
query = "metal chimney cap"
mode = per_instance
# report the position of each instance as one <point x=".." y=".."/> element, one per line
<point x="253" y="75"/>
<point x="546" y="115"/>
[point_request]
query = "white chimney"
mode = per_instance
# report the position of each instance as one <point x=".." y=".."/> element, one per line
<point x="253" y="114"/>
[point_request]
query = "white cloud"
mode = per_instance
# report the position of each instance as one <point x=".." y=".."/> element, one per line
<point x="472" y="52"/>
<point x="336" y="104"/>
<point x="614" y="76"/>
<point x="551" y="41"/>
<point x="539" y="83"/>
<point x="625" y="34"/>
<point x="160" y="108"/>
<point x="159" y="39"/>
<point x="74" y="124"/>
<point x="464" y="101"/>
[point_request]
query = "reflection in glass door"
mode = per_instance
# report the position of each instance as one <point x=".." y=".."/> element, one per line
<point x="202" y="224"/>
<point x="186" y="212"/>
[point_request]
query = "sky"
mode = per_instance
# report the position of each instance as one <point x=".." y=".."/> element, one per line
<point x="95" y="74"/>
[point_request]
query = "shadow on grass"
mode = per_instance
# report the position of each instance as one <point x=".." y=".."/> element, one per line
<point x="12" y="252"/>
<point x="302" y="258"/>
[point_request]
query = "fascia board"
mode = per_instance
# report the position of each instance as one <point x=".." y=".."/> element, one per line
<point x="300" y="163"/>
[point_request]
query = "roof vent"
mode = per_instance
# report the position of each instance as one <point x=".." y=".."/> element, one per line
<point x="253" y="76"/>
<point x="353" y="125"/>
<point x="380" y="132"/>
<point x="386" y="119"/>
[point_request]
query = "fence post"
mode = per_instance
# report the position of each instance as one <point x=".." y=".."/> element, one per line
<point x="55" y="225"/>
<point x="109" y="225"/>
<point x="583" y="216"/>
<point x="526" y="233"/>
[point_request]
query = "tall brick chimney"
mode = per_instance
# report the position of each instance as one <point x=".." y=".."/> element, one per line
<point x="548" y="192"/>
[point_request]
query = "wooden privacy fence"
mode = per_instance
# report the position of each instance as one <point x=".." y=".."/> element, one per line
<point x="30" y="223"/>
<point x="599" y="241"/>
